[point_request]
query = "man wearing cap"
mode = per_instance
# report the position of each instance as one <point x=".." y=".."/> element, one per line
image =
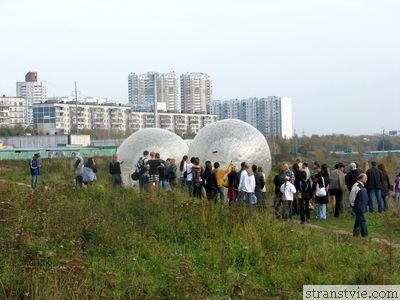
<point x="34" y="166"/>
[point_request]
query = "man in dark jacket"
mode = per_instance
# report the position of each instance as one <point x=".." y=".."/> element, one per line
<point x="374" y="187"/>
<point x="360" y="207"/>
<point x="34" y="166"/>
<point x="259" y="179"/>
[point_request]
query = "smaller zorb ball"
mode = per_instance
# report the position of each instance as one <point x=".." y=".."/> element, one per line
<point x="165" y="142"/>
<point x="231" y="140"/>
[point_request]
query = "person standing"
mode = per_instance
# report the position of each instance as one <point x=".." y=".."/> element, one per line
<point x="396" y="190"/>
<point x="360" y="206"/>
<point x="322" y="182"/>
<point x="232" y="186"/>
<point x="153" y="165"/>
<point x="385" y="186"/>
<point x="115" y="170"/>
<point x="220" y="173"/>
<point x="171" y="173"/>
<point x="34" y="166"/>
<point x="288" y="190"/>
<point x="247" y="185"/>
<point x="264" y="189"/>
<point x="142" y="171"/>
<point x="305" y="195"/>
<point x="182" y="170"/>
<point x="374" y="187"/>
<point x="260" y="183"/>
<point x="337" y="187"/>
<point x="210" y="182"/>
<point x="279" y="179"/>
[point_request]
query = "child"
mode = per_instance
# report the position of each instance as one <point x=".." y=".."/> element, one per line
<point x="288" y="190"/>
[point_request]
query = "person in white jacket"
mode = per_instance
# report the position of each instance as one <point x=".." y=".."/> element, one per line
<point x="247" y="185"/>
<point x="288" y="190"/>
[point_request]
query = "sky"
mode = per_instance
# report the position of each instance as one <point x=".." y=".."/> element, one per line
<point x="339" y="60"/>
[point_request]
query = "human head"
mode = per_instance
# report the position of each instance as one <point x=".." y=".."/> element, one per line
<point x="285" y="167"/>
<point x="36" y="156"/>
<point x="216" y="165"/>
<point x="152" y="154"/>
<point x="362" y="178"/>
<point x="208" y="165"/>
<point x="196" y="161"/>
<point x="145" y="153"/>
<point x="352" y="166"/>
<point x="373" y="163"/>
<point x="242" y="164"/>
<point x="114" y="157"/>
<point x="303" y="175"/>
<point x="184" y="158"/>
<point x="192" y="160"/>
<point x="382" y="168"/>
<point x="254" y="168"/>
<point x="305" y="164"/>
<point x="341" y="166"/>
<point x="259" y="169"/>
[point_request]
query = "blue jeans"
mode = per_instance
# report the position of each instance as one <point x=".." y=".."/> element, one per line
<point x="164" y="184"/>
<point x="34" y="181"/>
<point x="321" y="211"/>
<point x="378" y="196"/>
<point x="220" y="194"/>
<point x="240" y="197"/>
<point x="248" y="199"/>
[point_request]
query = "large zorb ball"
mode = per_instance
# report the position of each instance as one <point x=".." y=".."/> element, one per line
<point x="165" y="142"/>
<point x="231" y="140"/>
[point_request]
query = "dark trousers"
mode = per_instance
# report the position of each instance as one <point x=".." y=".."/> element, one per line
<point x="361" y="223"/>
<point x="304" y="209"/>
<point x="339" y="203"/>
<point x="260" y="200"/>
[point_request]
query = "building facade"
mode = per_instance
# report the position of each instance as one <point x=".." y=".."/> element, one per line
<point x="196" y="92"/>
<point x="33" y="91"/>
<point x="12" y="111"/>
<point x="142" y="91"/>
<point x="63" y="117"/>
<point x="169" y="91"/>
<point x="272" y="115"/>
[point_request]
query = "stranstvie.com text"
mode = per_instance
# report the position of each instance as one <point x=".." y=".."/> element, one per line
<point x="351" y="292"/>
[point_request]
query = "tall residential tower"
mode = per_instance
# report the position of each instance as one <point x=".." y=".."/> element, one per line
<point x="33" y="91"/>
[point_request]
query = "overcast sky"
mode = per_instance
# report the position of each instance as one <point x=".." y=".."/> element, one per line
<point x="339" y="60"/>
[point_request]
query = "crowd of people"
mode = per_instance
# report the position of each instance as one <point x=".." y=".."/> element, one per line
<point x="297" y="190"/>
<point x="206" y="182"/>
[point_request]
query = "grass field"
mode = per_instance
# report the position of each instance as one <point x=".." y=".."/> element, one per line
<point x="104" y="242"/>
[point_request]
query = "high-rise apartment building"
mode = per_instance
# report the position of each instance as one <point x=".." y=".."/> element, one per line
<point x="33" y="91"/>
<point x="196" y="92"/>
<point x="271" y="115"/>
<point x="142" y="91"/>
<point x="169" y="91"/>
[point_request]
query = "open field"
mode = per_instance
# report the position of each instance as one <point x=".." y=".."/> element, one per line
<point x="57" y="242"/>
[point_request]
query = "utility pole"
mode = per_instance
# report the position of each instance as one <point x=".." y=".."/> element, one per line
<point x="76" y="109"/>
<point x="383" y="139"/>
